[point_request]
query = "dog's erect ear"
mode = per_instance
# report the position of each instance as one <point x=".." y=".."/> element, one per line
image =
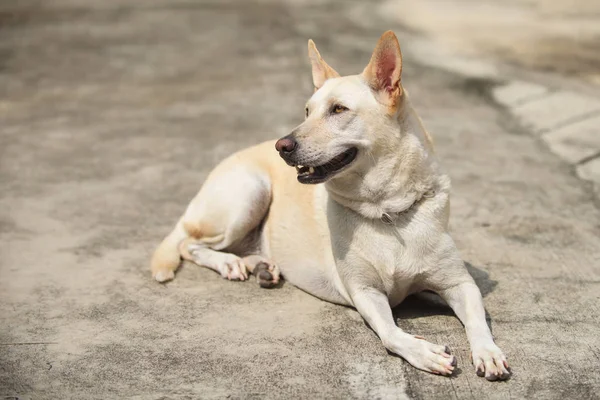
<point x="384" y="70"/>
<point x="321" y="71"/>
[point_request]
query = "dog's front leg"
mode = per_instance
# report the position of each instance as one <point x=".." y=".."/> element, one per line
<point x="374" y="307"/>
<point x="466" y="301"/>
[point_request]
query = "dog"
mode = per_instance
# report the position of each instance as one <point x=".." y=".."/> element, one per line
<point x="361" y="221"/>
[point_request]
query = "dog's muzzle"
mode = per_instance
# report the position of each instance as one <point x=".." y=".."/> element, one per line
<point x="286" y="146"/>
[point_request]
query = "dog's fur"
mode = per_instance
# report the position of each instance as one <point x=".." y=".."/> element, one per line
<point x="373" y="233"/>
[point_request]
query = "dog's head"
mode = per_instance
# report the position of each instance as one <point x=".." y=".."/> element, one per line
<point x="345" y="117"/>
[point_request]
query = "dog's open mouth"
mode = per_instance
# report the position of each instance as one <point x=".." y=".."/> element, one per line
<point x="323" y="172"/>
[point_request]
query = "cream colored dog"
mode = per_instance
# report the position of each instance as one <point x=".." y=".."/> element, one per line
<point x="372" y="234"/>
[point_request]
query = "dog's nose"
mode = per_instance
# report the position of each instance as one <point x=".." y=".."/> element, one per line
<point x="286" y="145"/>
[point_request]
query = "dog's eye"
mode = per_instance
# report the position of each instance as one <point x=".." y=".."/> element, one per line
<point x="338" y="109"/>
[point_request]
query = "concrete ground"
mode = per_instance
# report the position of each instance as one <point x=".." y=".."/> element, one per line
<point x="112" y="114"/>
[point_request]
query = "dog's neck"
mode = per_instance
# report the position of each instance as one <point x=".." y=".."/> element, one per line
<point x="399" y="171"/>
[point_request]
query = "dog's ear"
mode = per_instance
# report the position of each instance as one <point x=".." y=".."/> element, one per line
<point x="384" y="70"/>
<point x="321" y="71"/>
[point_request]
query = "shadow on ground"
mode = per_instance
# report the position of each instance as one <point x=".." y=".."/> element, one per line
<point x="426" y="304"/>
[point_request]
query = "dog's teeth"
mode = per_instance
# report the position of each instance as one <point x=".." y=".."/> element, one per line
<point x="311" y="170"/>
<point x="298" y="168"/>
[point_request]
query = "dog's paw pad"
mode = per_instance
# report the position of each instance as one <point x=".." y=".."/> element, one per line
<point x="267" y="275"/>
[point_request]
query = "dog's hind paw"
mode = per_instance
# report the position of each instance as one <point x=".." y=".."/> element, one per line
<point x="267" y="274"/>
<point x="233" y="268"/>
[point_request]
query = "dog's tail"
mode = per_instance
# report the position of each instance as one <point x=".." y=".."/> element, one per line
<point x="166" y="257"/>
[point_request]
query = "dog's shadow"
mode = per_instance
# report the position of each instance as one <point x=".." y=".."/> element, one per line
<point x="428" y="303"/>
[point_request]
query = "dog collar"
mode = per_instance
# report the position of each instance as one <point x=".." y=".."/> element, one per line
<point x="390" y="218"/>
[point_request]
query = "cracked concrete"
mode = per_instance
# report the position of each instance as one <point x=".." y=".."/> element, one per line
<point x="113" y="113"/>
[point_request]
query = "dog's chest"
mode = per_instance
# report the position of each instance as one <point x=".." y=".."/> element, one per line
<point x="399" y="283"/>
<point x="401" y="256"/>
<point x="396" y="268"/>
<point x="397" y="256"/>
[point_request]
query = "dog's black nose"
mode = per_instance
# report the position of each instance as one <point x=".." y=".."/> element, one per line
<point x="286" y="145"/>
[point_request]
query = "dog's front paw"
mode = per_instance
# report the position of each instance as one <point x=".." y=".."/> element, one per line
<point x="427" y="356"/>
<point x="489" y="361"/>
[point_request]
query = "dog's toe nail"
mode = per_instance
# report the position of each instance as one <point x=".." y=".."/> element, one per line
<point x="447" y="350"/>
<point x="454" y="361"/>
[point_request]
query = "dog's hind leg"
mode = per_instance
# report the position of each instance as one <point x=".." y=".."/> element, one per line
<point x="229" y="265"/>
<point x="221" y="223"/>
